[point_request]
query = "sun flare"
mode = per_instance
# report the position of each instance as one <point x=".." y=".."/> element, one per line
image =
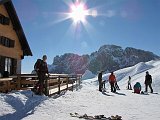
<point x="78" y="12"/>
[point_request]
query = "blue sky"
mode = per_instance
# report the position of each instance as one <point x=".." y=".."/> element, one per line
<point x="127" y="23"/>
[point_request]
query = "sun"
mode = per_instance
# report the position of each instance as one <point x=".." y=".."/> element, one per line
<point x="78" y="12"/>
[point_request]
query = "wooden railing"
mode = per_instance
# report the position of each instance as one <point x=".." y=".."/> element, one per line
<point x="6" y="85"/>
<point x="55" y="83"/>
<point x="59" y="82"/>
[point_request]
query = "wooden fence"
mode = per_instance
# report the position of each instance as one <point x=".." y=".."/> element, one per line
<point x="55" y="83"/>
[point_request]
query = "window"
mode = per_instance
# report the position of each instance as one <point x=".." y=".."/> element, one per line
<point x="6" y="42"/>
<point x="8" y="64"/>
<point x="4" y="20"/>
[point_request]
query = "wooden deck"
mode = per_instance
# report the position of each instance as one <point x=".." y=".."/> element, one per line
<point x="6" y="84"/>
<point x="55" y="83"/>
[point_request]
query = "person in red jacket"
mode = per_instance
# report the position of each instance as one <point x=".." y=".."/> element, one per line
<point x="112" y="81"/>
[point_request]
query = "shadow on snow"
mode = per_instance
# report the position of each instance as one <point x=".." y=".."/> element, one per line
<point x="22" y="109"/>
<point x="104" y="93"/>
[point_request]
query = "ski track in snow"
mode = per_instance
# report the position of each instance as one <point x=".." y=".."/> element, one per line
<point x="21" y="105"/>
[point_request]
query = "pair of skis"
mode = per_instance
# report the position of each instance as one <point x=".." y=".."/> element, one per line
<point x="96" y="117"/>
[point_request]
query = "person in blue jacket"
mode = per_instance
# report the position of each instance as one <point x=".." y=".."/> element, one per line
<point x="137" y="88"/>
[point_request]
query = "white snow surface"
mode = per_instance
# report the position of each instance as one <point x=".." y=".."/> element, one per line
<point x="21" y="105"/>
<point x="88" y="75"/>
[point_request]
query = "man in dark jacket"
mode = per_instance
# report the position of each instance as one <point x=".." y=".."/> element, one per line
<point x="100" y="81"/>
<point x="42" y="71"/>
<point x="148" y="82"/>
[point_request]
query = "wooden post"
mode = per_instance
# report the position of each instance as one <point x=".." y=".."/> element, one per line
<point x="72" y="83"/>
<point x="76" y="83"/>
<point x="46" y="87"/>
<point x="59" y="85"/>
<point x="9" y="85"/>
<point x="79" y="81"/>
<point x="18" y="82"/>
<point x="67" y="81"/>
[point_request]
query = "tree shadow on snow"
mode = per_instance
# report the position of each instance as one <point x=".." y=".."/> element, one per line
<point x="22" y="107"/>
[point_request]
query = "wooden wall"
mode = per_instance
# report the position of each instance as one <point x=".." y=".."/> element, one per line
<point x="8" y="31"/>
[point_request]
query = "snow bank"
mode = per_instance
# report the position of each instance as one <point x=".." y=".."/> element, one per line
<point x="17" y="105"/>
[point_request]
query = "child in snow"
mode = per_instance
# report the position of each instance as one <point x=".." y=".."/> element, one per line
<point x="129" y="83"/>
<point x="137" y="88"/>
<point x="116" y="86"/>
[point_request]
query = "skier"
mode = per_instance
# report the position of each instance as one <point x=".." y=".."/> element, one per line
<point x="112" y="80"/>
<point x="148" y="82"/>
<point x="41" y="69"/>
<point x="100" y="81"/>
<point x="129" y="83"/>
<point x="137" y="88"/>
<point x="116" y="86"/>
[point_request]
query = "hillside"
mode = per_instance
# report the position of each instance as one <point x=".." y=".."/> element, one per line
<point x="21" y="105"/>
<point x="107" y="58"/>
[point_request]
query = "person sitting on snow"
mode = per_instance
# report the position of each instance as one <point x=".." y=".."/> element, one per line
<point x="137" y="88"/>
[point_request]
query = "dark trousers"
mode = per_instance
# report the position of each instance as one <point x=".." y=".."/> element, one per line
<point x="100" y="85"/>
<point x="103" y="84"/>
<point x="146" y="88"/>
<point x="41" y="77"/>
<point x="129" y="86"/>
<point x="113" y="89"/>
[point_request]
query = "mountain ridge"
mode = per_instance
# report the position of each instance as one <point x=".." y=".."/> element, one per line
<point x="107" y="58"/>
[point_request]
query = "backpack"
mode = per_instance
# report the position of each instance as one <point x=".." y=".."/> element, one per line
<point x="37" y="64"/>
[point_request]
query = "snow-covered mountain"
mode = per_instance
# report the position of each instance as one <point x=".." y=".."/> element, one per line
<point x="21" y="105"/>
<point x="137" y="73"/>
<point x="107" y="58"/>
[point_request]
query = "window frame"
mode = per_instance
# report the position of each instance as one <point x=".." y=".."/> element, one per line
<point x="4" y="20"/>
<point x="7" y="42"/>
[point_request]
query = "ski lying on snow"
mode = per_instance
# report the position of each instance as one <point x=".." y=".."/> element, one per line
<point x="103" y="90"/>
<point x="96" y="117"/>
<point x="146" y="93"/>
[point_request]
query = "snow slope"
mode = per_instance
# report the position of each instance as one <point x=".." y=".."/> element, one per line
<point x="88" y="75"/>
<point x="22" y="105"/>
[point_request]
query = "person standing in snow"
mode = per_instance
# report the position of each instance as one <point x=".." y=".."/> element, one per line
<point x="116" y="86"/>
<point x="148" y="82"/>
<point x="129" y="84"/>
<point x="100" y="81"/>
<point x="112" y="81"/>
<point x="42" y="71"/>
